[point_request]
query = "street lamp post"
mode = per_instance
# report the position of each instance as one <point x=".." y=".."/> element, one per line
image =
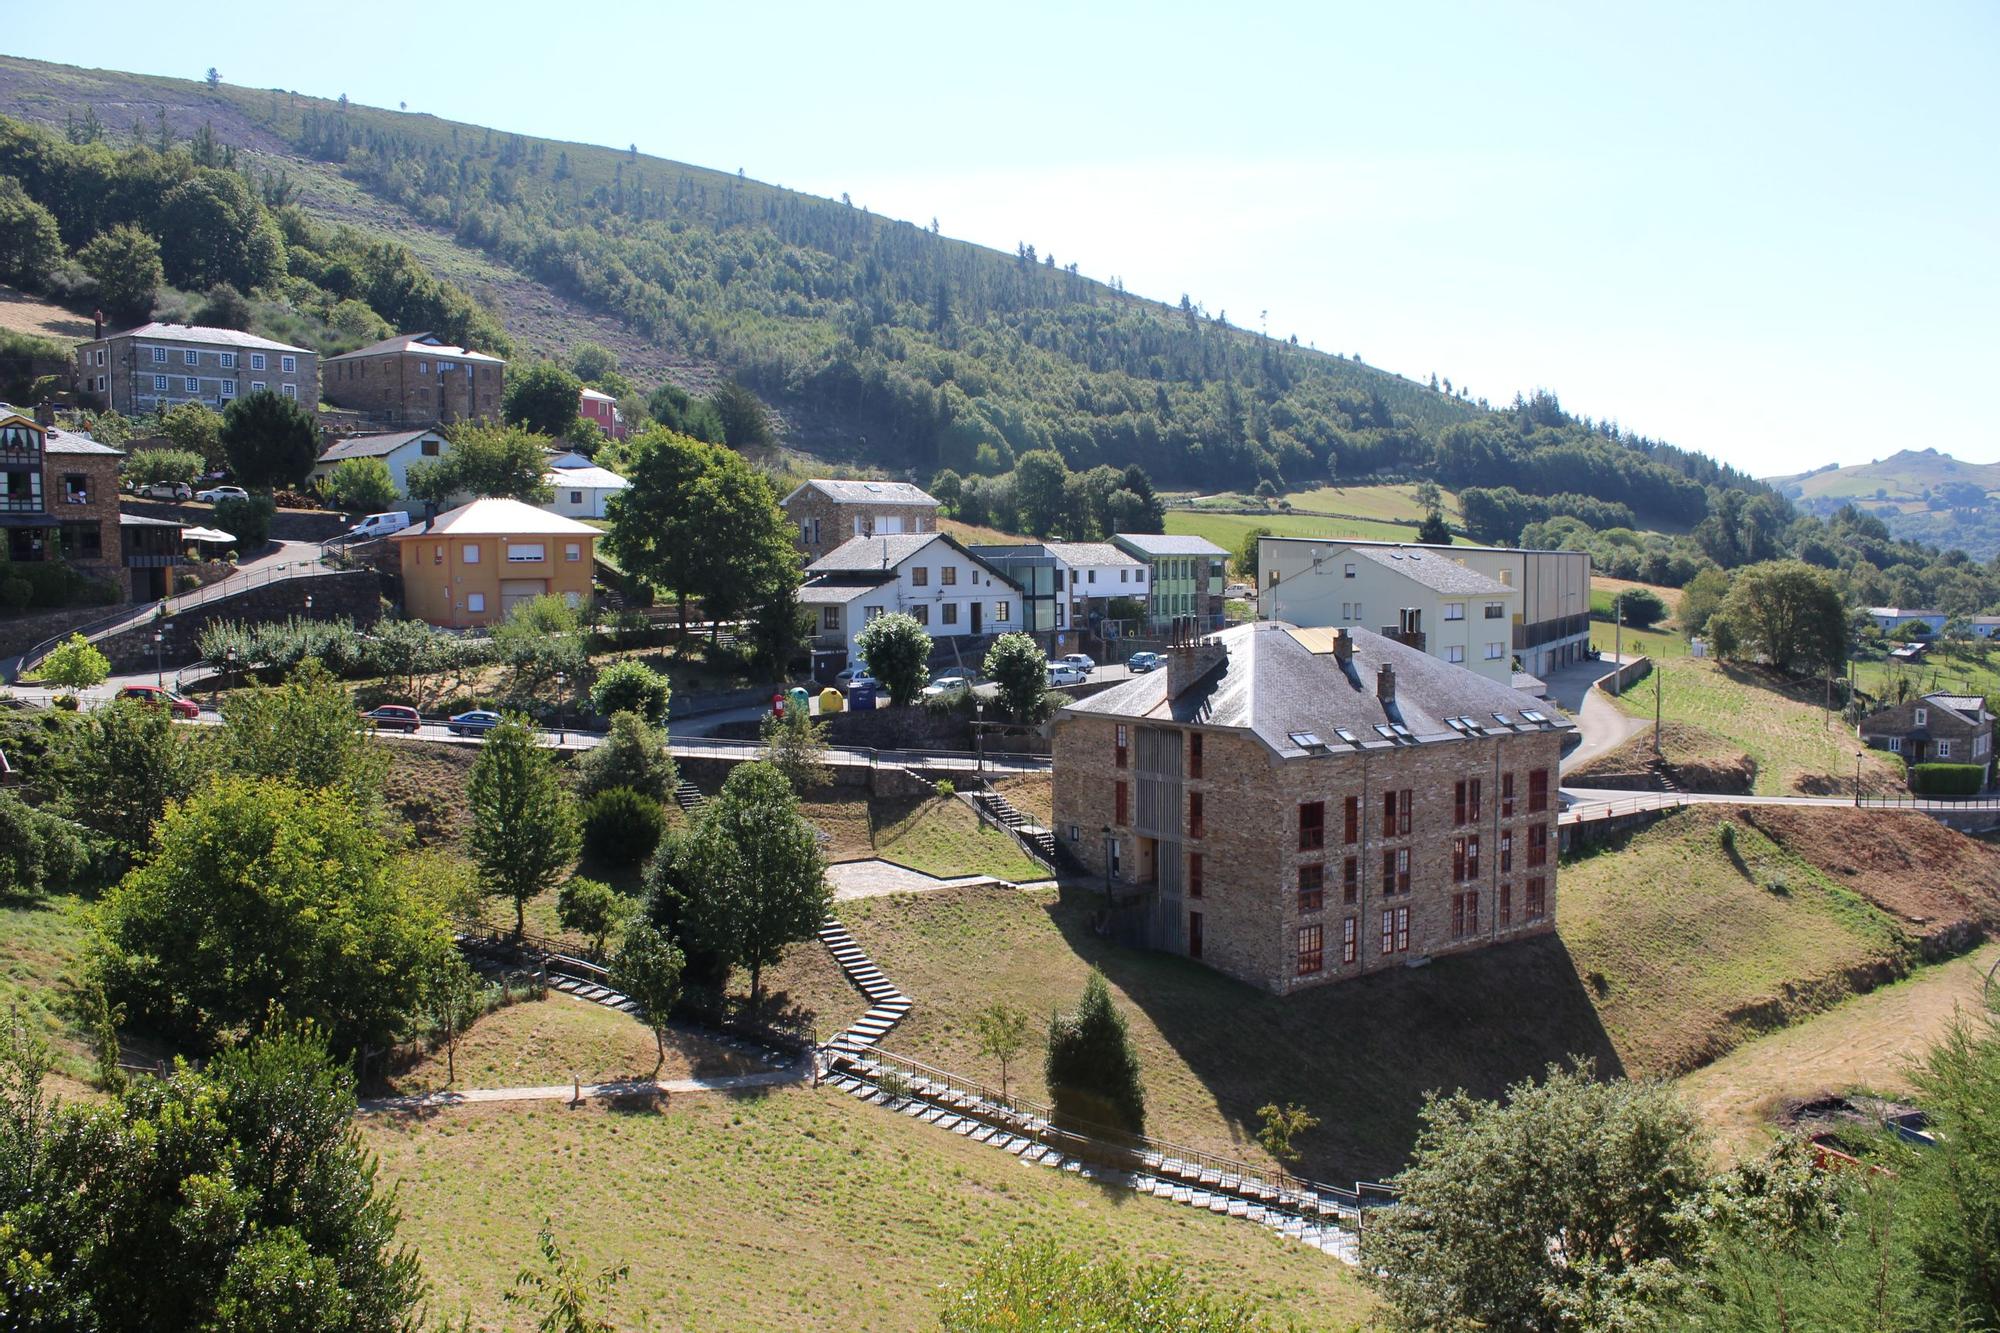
<point x="1857" y="778"/>
<point x="229" y="656"/>
<point x="979" y="737"/>
<point x="159" y="659"/>
<point x="562" y="695"/>
<point x="309" y="605"/>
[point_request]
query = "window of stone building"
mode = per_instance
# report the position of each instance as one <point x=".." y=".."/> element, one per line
<point x="161" y="383"/>
<point x="1538" y="845"/>
<point x="1194" y="818"/>
<point x="1396" y="872"/>
<point x="1312" y="953"/>
<point x="1121" y="745"/>
<point x="1506" y="905"/>
<point x="1396" y="812"/>
<point x="1312" y="826"/>
<point x="1538" y="791"/>
<point x="1350" y="879"/>
<point x="1506" y="852"/>
<point x="189" y="384"/>
<point x="1395" y="930"/>
<point x="1944" y="749"/>
<point x="1348" y="930"/>
<point x="256" y="386"/>
<point x="83" y="540"/>
<point x="1118" y="804"/>
<point x="1506" y="796"/>
<point x="76" y="488"/>
<point x="288" y="365"/>
<point x="1194" y="754"/>
<point x="1350" y="820"/>
<point x="1465" y="914"/>
<point x="257" y="362"/>
<point x="1537" y="902"/>
<point x="190" y="357"/>
<point x="289" y="390"/>
<point x="227" y="360"/>
<point x="1194" y="874"/>
<point x="1465" y="801"/>
<point x="1312" y="887"/>
<point x="229" y="388"/>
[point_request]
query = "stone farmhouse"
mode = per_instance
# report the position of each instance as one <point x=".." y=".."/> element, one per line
<point x="416" y="379"/>
<point x="1550" y="613"/>
<point x="954" y="594"/>
<point x="827" y="513"/>
<point x="59" y="501"/>
<point x="1295" y="807"/>
<point x="157" y="365"/>
<point x="1415" y="593"/>
<point x="1938" y="728"/>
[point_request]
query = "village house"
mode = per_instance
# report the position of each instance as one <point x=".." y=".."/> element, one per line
<point x="416" y="379"/>
<point x="1416" y="593"/>
<point x="396" y="450"/>
<point x="1295" y="807"/>
<point x="601" y="410"/>
<point x="1903" y="622"/>
<point x="157" y="365"/>
<point x="59" y="500"/>
<point x="827" y="513"/>
<point x="473" y="564"/>
<point x="1184" y="577"/>
<point x="581" y="488"/>
<point x="1549" y="614"/>
<point x="953" y="593"/>
<point x="1936" y="729"/>
<point x="1067" y="587"/>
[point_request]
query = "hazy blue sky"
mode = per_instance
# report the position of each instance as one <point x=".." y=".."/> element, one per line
<point x="1765" y="231"/>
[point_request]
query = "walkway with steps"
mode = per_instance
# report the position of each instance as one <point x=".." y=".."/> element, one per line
<point x="688" y="796"/>
<point x="886" y="1004"/>
<point x="573" y="1092"/>
<point x="1041" y="842"/>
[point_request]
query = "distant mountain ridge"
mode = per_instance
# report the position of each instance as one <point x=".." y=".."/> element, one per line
<point x="1921" y="494"/>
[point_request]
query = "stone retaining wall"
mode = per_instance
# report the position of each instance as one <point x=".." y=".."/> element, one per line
<point x="356" y="594"/>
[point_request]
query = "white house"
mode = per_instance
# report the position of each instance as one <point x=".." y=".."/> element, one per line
<point x="581" y="492"/>
<point x="952" y="593"/>
<point x="398" y="450"/>
<point x="1092" y="575"/>
<point x="1899" y="621"/>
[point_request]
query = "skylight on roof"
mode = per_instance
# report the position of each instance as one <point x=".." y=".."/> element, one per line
<point x="1504" y="720"/>
<point x="1403" y="733"/>
<point x="1539" y="719"/>
<point x="1347" y="735"/>
<point x="1386" y="732"/>
<point x="1306" y="740"/>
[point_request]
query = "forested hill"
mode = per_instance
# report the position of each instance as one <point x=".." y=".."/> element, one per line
<point x="879" y="341"/>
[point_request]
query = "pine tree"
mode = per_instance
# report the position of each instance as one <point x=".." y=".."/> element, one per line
<point x="1092" y="1068"/>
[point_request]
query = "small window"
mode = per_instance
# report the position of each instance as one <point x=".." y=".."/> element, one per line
<point x="100" y="356"/>
<point x="1312" y="826"/>
<point x="572" y="551"/>
<point x="1538" y="791"/>
<point x="471" y="553"/>
<point x="1194" y="874"/>
<point x="423" y="367"/>
<point x="159" y="356"/>
<point x="948" y="576"/>
<point x="526" y="553"/>
<point x="1495" y="611"/>
<point x="257" y="362"/>
<point x="1923" y="717"/>
<point x="475" y="601"/>
<point x="1944" y="749"/>
<point x="1454" y="610"/>
<point x="1092" y="576"/>
<point x="429" y="448"/>
<point x="951" y="613"/>
<point x="189" y="384"/>
<point x="1350" y="569"/>
<point x="256" y="386"/>
<point x="1350" y="879"/>
<point x="921" y="613"/>
<point x="161" y="383"/>
<point x="829" y="619"/>
<point x="1312" y="887"/>
<point x="289" y="390"/>
<point x="190" y="357"/>
<point x="1194" y="754"/>
<point x="1350" y="820"/>
<point x="229" y="388"/>
<point x="1120" y="745"/>
<point x="1537" y="904"/>
<point x="1003" y="610"/>
<point x="1194" y="817"/>
<point x="920" y="576"/>
<point x="1455" y="653"/>
<point x="1118" y="803"/>
<point x="576" y="497"/>
<point x="288" y="365"/>
<point x="1495" y="651"/>
<point x="228" y="360"/>
<point x="1348" y="930"/>
<point x="1312" y="954"/>
<point x="1895" y="745"/>
<point x="437" y="554"/>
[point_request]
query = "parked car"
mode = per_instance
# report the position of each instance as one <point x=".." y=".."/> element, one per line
<point x="947" y="687"/>
<point x="476" y="722"/>
<point x="157" y="696"/>
<point x="853" y="676"/>
<point x="394" y="717"/>
<point x="217" y="494"/>
<point x="1083" y="662"/>
<point x="166" y="490"/>
<point x="378" y="525"/>
<point x="1144" y="661"/>
<point x="1239" y="590"/>
<point x="1062" y="673"/>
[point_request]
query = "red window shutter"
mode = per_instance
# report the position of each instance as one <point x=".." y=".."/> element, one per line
<point x="1194" y="754"/>
<point x="1194" y="814"/>
<point x="1458" y="859"/>
<point x="1194" y="874"/>
<point x="1388" y="814"/>
<point x="1118" y="804"/>
<point x="1350" y="880"/>
<point x="1472" y="801"/>
<point x="1352" y="812"/>
<point x="1403" y="804"/>
<point x="1458" y="802"/>
<point x="1312" y="826"/>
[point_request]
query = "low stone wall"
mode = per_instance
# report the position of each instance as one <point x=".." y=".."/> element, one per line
<point x="22" y="632"/>
<point x="1622" y="678"/>
<point x="356" y="594"/>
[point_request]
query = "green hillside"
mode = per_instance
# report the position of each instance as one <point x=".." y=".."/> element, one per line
<point x="1922" y="495"/>
<point x="879" y="342"/>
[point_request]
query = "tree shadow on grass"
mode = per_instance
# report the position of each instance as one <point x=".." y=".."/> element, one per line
<point x="1360" y="1055"/>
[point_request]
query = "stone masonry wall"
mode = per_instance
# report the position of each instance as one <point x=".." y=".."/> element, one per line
<point x="836" y="521"/>
<point x="1250" y="904"/>
<point x="356" y="594"/>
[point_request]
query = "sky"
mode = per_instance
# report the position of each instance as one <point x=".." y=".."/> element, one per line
<point x="1767" y="232"/>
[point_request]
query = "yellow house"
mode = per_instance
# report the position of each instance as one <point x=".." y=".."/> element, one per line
<point x="474" y="564"/>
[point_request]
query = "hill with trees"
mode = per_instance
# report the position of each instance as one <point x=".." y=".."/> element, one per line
<point x="1919" y="494"/>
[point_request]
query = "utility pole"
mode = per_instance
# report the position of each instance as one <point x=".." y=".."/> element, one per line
<point x="1618" y="644"/>
<point x="1656" y="709"/>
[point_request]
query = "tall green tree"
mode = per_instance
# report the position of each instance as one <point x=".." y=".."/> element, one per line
<point x="270" y="440"/>
<point x="1701" y="598"/>
<point x="213" y="229"/>
<point x="745" y="423"/>
<point x="361" y="485"/>
<point x="124" y="266"/>
<point x="795" y="745"/>
<point x="505" y="461"/>
<point x="115" y="769"/>
<point x="898" y="652"/>
<point x="1092" y="1067"/>
<point x="303" y="732"/>
<point x="1246" y="554"/>
<point x="1040" y="476"/>
<point x="1019" y="670"/>
<point x="75" y="664"/>
<point x="195" y="428"/>
<point x="40" y="851"/>
<point x="237" y="1196"/>
<point x="633" y="754"/>
<point x="647" y="969"/>
<point x="261" y="898"/>
<point x="30" y="243"/>
<point x="1788" y="614"/>
<point x="542" y="397"/>
<point x="1562" y="1200"/>
<point x="524" y="826"/>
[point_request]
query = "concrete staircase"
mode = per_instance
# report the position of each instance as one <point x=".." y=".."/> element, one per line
<point x="688" y="796"/>
<point x="1039" y="842"/>
<point x="886" y="1004"/>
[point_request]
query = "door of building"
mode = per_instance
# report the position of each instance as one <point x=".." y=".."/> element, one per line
<point x="1194" y="934"/>
<point x="977" y="607"/>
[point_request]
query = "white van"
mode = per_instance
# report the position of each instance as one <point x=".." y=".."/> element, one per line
<point x="379" y="525"/>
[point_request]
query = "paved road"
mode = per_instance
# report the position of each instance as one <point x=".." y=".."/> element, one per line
<point x="1588" y="803"/>
<point x="569" y="1092"/>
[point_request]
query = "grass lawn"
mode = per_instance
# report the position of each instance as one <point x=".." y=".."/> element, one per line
<point x="941" y="836"/>
<point x="1663" y="640"/>
<point x="541" y="1042"/>
<point x="1864" y="1043"/>
<point x="793" y="1209"/>
<point x="1227" y="530"/>
<point x="1030" y="794"/>
<point x="1970" y="670"/>
<point x="1702" y="761"/>
<point x="41" y="943"/>
<point x="1798" y="749"/>
<point x="1688" y="950"/>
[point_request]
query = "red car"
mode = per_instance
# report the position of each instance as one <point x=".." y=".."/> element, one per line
<point x="159" y="696"/>
<point x="393" y="717"/>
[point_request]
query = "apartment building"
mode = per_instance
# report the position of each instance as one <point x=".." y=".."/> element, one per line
<point x="1185" y="577"/>
<point x="1413" y="593"/>
<point x="827" y="513"/>
<point x="1550" y="612"/>
<point x="416" y="379"/>
<point x="1295" y="807"/>
<point x="162" y="365"/>
<point x="59" y="501"/>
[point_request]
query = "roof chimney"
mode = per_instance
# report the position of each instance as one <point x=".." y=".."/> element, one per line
<point x="1385" y="684"/>
<point x="97" y="324"/>
<point x="1191" y="659"/>
<point x="1343" y="645"/>
<point x="45" y="414"/>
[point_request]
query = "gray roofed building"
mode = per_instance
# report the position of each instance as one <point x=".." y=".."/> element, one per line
<point x="1084" y="555"/>
<point x="1279" y="682"/>
<point x="427" y="343"/>
<point x="1436" y="571"/>
<point x="1159" y="543"/>
<point x="369" y="446"/>
<point x="843" y="491"/>
<point x="203" y="334"/>
<point x="874" y="554"/>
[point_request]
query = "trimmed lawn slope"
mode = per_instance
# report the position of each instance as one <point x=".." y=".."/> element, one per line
<point x="1702" y="762"/>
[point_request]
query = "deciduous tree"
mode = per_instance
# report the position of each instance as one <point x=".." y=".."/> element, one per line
<point x="124" y="266"/>
<point x="542" y="397"/>
<point x="648" y="970"/>
<point x="524" y="828"/>
<point x="75" y="664"/>
<point x="30" y="244"/>
<point x="1789" y="614"/>
<point x="898" y="652"/>
<point x="115" y="769"/>
<point x="487" y="460"/>
<point x="1039" y="478"/>
<point x="795" y="745"/>
<point x="361" y="485"/>
<point x="1019" y="670"/>
<point x="592" y="907"/>
<point x="633" y="754"/>
<point x="1003" y="1034"/>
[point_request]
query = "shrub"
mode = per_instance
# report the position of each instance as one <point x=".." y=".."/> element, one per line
<point x="360" y="485"/>
<point x="15" y="594"/>
<point x="1947" y="779"/>
<point x="66" y="702"/>
<point x="248" y="521"/>
<point x="947" y="788"/>
<point x="621" y="827"/>
<point x="1037" y="1286"/>
<point x="633" y="755"/>
<point x="39" y="851"/>
<point x="631" y="687"/>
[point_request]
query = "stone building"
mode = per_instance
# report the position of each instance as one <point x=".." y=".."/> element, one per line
<point x="59" y="500"/>
<point x="826" y="513"/>
<point x="1300" y="806"/>
<point x="416" y="379"/>
<point x="1938" y="728"/>
<point x="161" y="365"/>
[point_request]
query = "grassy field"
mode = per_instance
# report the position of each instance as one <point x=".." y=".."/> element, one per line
<point x="1702" y="761"/>
<point x="1227" y="530"/>
<point x="537" y="1043"/>
<point x="1796" y="746"/>
<point x="1663" y="640"/>
<point x="41" y="941"/>
<point x="937" y="835"/>
<point x="1864" y="1043"/>
<point x="1968" y="670"/>
<point x="795" y="1209"/>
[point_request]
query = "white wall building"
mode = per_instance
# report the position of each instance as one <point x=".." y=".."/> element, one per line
<point x="397" y="450"/>
<point x="951" y="592"/>
<point x="581" y="492"/>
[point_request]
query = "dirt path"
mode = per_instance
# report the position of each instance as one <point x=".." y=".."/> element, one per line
<point x="1867" y="1042"/>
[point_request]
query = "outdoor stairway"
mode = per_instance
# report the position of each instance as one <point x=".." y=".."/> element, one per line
<point x="1039" y="841"/>
<point x="886" y="1004"/>
<point x="688" y="796"/>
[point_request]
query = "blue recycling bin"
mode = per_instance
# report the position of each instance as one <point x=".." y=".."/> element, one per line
<point x="860" y="697"/>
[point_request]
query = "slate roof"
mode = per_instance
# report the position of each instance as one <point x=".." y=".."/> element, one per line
<point x="1276" y="683"/>
<point x="1152" y="544"/>
<point x="872" y="555"/>
<point x="833" y="594"/>
<point x="1089" y="555"/>
<point x="1440" y="573"/>
<point x="1967" y="706"/>
<point x="199" y="333"/>
<point x="74" y="442"/>
<point x="370" y="446"/>
<point x="586" y="478"/>
<point x="428" y="343"/>
<point x="867" y="492"/>
<point x="497" y="517"/>
<point x="1903" y="613"/>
